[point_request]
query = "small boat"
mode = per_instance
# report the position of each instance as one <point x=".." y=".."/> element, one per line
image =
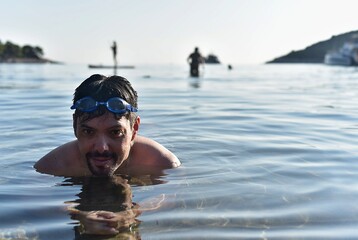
<point x="347" y="55"/>
<point x="336" y="58"/>
<point x="110" y="66"/>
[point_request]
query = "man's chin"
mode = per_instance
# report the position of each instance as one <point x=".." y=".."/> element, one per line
<point x="100" y="170"/>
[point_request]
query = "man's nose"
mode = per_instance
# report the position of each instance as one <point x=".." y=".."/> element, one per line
<point x="101" y="144"/>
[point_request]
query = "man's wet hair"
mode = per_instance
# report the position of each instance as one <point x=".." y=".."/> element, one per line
<point x="101" y="88"/>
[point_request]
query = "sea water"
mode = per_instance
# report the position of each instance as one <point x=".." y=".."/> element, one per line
<point x="267" y="151"/>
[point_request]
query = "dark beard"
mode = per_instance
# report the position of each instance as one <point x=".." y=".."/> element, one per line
<point x="95" y="154"/>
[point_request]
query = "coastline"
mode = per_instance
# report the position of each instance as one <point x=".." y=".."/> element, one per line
<point x="29" y="60"/>
<point x="316" y="52"/>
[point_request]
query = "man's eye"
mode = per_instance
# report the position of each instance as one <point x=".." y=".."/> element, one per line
<point x="87" y="131"/>
<point x="117" y="133"/>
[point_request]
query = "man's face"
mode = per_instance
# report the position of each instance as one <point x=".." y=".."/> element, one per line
<point x="104" y="142"/>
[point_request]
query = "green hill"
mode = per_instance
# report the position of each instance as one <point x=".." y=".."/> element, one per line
<point x="14" y="53"/>
<point x="315" y="53"/>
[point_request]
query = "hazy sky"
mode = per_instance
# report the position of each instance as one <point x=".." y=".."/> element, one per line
<point x="166" y="31"/>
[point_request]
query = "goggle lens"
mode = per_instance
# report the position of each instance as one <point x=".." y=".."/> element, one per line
<point x="115" y="105"/>
<point x="86" y="104"/>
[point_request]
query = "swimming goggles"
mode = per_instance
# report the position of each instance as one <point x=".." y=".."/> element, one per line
<point x="115" y="105"/>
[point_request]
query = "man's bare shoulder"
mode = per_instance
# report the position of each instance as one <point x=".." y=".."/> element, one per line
<point x="147" y="152"/>
<point x="61" y="161"/>
<point x="65" y="160"/>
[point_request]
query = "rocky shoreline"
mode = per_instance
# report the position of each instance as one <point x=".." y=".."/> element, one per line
<point x="28" y="60"/>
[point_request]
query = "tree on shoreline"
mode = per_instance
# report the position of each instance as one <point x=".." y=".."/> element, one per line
<point x="10" y="50"/>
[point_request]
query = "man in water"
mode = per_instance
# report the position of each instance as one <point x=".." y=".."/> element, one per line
<point x="195" y="59"/>
<point x="106" y="127"/>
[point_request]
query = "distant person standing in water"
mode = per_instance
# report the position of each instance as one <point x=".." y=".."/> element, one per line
<point x="114" y="51"/>
<point x="195" y="59"/>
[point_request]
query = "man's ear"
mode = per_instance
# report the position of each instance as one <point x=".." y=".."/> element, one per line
<point x="74" y="122"/>
<point x="135" y="127"/>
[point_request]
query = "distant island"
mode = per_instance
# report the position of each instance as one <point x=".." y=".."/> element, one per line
<point x="316" y="52"/>
<point x="212" y="59"/>
<point x="13" y="53"/>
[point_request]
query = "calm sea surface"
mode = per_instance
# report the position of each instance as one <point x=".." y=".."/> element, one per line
<point x="268" y="152"/>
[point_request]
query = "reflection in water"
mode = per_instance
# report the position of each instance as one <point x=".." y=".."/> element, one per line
<point x="194" y="82"/>
<point x="104" y="207"/>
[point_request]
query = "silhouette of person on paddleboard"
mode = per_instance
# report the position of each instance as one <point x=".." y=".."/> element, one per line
<point x="114" y="51"/>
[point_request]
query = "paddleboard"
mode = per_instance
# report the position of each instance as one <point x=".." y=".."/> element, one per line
<point x="110" y="66"/>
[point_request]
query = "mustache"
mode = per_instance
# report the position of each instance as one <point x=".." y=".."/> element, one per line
<point x="105" y="154"/>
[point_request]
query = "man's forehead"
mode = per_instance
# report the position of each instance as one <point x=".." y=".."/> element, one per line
<point x="109" y="118"/>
